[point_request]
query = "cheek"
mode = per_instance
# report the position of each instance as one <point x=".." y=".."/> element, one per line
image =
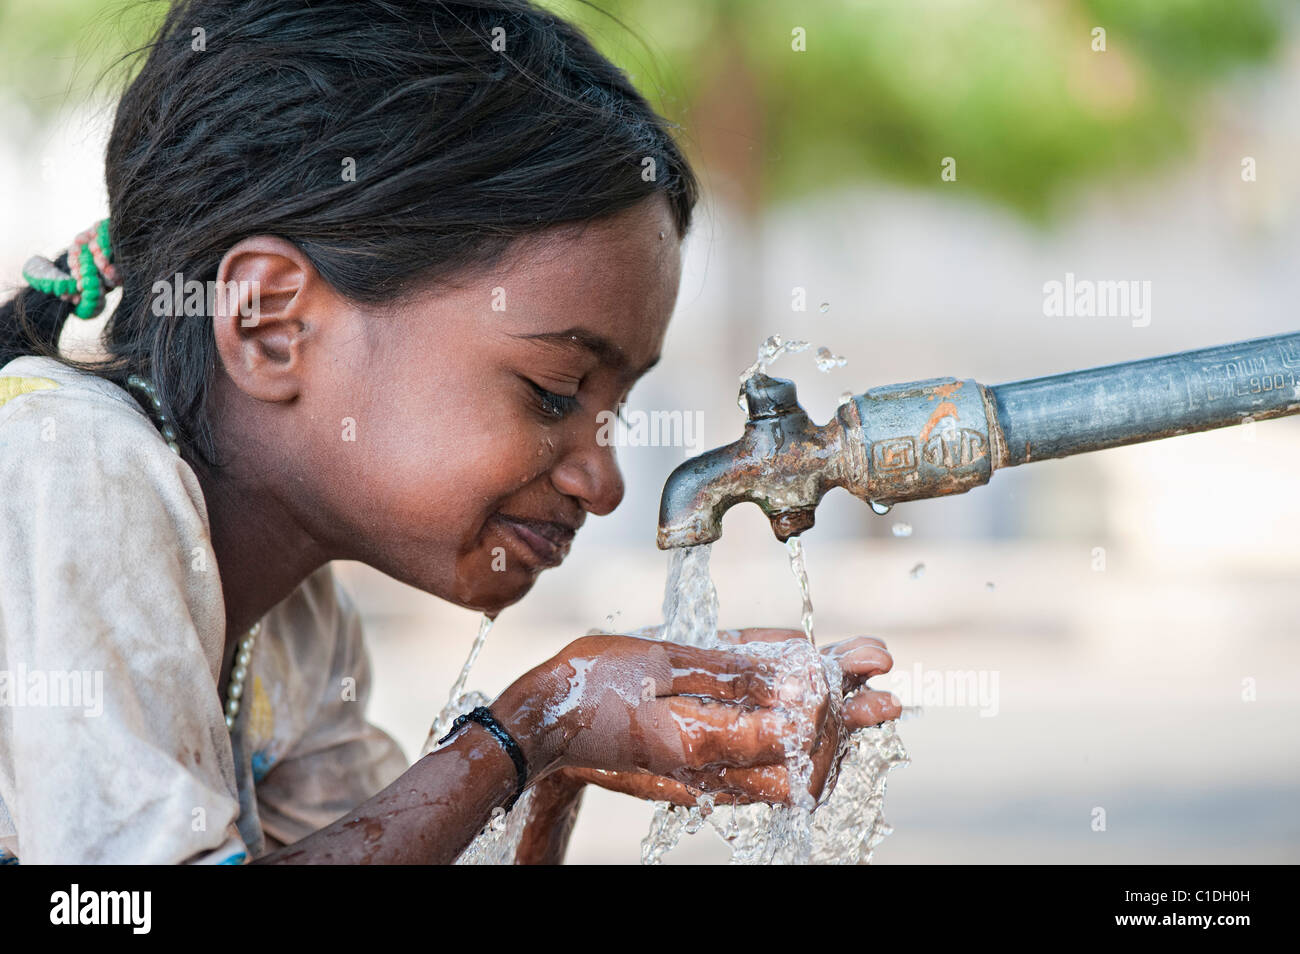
<point x="441" y="467"/>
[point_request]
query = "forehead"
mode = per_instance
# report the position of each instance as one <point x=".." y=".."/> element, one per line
<point x="614" y="277"/>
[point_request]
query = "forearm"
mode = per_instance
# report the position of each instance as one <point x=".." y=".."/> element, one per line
<point x="428" y="816"/>
<point x="555" y="803"/>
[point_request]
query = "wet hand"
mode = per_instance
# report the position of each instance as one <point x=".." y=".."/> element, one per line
<point x="859" y="659"/>
<point x="637" y="705"/>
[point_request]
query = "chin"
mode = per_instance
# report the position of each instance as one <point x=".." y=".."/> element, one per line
<point x="483" y="591"/>
<point x="491" y="595"/>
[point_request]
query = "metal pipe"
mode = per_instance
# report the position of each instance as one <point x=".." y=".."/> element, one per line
<point x="1082" y="411"/>
<point x="944" y="436"/>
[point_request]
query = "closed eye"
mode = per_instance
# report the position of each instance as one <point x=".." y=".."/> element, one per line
<point x="554" y="406"/>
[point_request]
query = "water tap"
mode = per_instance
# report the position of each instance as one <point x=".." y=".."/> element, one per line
<point x="944" y="436"/>
<point x="783" y="462"/>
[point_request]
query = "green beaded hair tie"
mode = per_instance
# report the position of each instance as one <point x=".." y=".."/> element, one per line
<point x="90" y="276"/>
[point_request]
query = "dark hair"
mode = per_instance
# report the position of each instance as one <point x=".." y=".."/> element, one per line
<point x="460" y="149"/>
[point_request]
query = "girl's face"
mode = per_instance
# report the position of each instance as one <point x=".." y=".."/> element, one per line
<point x="466" y="444"/>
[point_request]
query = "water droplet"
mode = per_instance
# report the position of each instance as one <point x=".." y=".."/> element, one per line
<point x="825" y="307"/>
<point x="990" y="587"/>
<point x="902" y="529"/>
<point x="917" y="571"/>
<point x="694" y="820"/>
<point x="881" y="508"/>
<point x="829" y="362"/>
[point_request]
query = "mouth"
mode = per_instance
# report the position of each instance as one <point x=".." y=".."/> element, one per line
<point x="541" y="543"/>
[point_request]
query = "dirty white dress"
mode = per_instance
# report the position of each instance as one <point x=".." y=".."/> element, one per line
<point x="113" y="743"/>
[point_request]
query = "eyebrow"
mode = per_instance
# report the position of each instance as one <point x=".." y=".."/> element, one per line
<point x="605" y="350"/>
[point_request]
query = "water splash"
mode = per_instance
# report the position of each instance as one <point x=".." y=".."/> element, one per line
<point x="456" y="699"/>
<point x="768" y="351"/>
<point x="843" y="828"/>
<point x="827" y="362"/>
<point x="917" y="571"/>
<point x="901" y="529"/>
<point x="499" y="841"/>
<point x="848" y="824"/>
<point x="848" y="827"/>
<point x="825" y="307"/>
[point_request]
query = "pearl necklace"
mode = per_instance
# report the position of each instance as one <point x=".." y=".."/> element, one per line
<point x="164" y="425"/>
<point x="234" y="691"/>
<point x="237" y="675"/>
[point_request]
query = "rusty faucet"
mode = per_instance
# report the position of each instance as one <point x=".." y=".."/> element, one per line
<point x="944" y="435"/>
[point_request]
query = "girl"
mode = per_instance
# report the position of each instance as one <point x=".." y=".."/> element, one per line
<point x="382" y="262"/>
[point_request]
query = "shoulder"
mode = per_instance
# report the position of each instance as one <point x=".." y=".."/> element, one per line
<point x="102" y="528"/>
<point x="67" y="435"/>
<point x="38" y="382"/>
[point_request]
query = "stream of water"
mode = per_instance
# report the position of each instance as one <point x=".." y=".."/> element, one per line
<point x="498" y="842"/>
<point x="844" y="828"/>
<point x="847" y="825"/>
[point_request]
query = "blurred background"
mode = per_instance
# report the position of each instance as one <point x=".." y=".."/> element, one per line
<point x="1137" y="607"/>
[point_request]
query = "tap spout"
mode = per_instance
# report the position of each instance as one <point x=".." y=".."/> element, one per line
<point x="783" y="462"/>
<point x="945" y="436"/>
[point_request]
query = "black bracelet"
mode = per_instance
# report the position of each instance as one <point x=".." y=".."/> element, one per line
<point x="483" y="716"/>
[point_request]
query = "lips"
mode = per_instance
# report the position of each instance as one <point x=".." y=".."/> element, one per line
<point x="544" y="541"/>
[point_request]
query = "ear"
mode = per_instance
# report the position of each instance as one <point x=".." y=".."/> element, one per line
<point x="263" y="316"/>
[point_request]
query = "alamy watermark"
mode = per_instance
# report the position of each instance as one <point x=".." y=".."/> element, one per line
<point x="129" y="908"/>
<point x="195" y="299"/>
<point x="53" y="688"/>
<point x="651" y="429"/>
<point x="948" y="688"/>
<point x="1085" y="298"/>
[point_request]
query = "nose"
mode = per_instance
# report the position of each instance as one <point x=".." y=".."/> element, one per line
<point x="590" y="473"/>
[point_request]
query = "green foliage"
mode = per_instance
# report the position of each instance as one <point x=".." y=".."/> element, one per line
<point x="1011" y="89"/>
<point x="53" y="53"/>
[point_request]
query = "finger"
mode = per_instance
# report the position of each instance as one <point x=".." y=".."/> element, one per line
<point x="870" y="707"/>
<point x="720" y="674"/>
<point x="655" y="788"/>
<point x="859" y="660"/>
<point x="716" y="733"/>
<point x="822" y="763"/>
<point x="769" y="784"/>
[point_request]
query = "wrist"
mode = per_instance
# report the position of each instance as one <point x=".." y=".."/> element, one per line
<point x="526" y="710"/>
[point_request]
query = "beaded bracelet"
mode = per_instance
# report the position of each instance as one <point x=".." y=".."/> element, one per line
<point x="483" y="716"/>
<point x="90" y="274"/>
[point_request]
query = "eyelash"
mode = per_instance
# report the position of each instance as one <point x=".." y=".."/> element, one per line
<point x="554" y="406"/>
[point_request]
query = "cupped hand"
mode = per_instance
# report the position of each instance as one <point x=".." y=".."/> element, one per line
<point x="859" y="659"/>
<point x="630" y="704"/>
